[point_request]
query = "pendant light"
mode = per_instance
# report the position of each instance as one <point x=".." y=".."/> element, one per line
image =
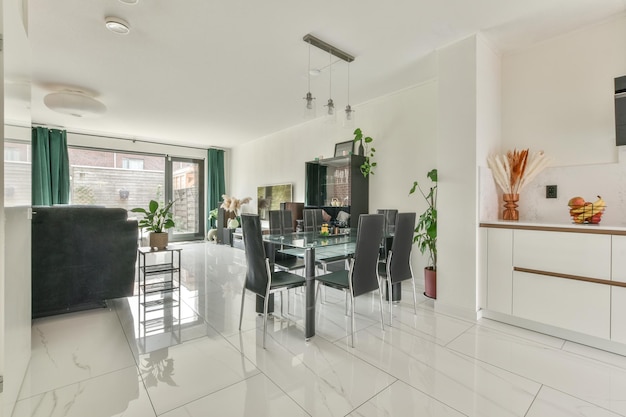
<point x="349" y="113"/>
<point x="309" y="108"/>
<point x="331" y="105"/>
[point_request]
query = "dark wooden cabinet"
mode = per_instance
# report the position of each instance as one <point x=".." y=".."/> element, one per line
<point x="337" y="184"/>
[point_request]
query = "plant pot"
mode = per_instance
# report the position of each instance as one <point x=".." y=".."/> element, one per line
<point x="430" y="282"/>
<point x="158" y="240"/>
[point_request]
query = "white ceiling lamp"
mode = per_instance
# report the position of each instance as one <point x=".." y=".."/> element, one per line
<point x="130" y="1"/>
<point x="117" y="25"/>
<point x="309" y="108"/>
<point x="312" y="40"/>
<point x="74" y="103"/>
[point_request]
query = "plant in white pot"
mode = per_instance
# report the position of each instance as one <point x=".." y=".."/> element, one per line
<point x="426" y="234"/>
<point x="156" y="220"/>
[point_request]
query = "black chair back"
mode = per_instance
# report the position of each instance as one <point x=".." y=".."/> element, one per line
<point x="365" y="267"/>
<point x="390" y="218"/>
<point x="280" y="222"/>
<point x="400" y="265"/>
<point x="257" y="278"/>
<point x="312" y="219"/>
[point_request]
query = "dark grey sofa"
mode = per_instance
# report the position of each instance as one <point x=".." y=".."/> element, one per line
<point x="81" y="256"/>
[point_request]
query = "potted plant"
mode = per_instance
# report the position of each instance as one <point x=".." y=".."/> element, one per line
<point x="367" y="166"/>
<point x="426" y="234"/>
<point x="156" y="220"/>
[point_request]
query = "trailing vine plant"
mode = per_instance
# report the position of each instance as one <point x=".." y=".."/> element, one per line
<point x="367" y="167"/>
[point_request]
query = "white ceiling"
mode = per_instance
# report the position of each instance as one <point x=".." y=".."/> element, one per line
<point x="220" y="73"/>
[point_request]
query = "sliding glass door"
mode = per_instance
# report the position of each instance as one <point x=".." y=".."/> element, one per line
<point x="185" y="185"/>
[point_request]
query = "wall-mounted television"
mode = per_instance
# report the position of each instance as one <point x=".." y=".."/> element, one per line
<point x="269" y="198"/>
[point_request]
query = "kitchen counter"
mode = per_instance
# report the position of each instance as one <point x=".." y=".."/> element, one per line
<point x="604" y="229"/>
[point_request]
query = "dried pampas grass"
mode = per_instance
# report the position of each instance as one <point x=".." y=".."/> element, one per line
<point x="233" y="204"/>
<point x="516" y="169"/>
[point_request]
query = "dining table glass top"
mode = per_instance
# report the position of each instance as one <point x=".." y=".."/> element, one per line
<point x="313" y="239"/>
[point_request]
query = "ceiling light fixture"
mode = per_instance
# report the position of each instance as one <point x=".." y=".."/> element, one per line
<point x="74" y="103"/>
<point x="349" y="119"/>
<point x="117" y="25"/>
<point x="130" y="1"/>
<point x="332" y="51"/>
<point x="309" y="109"/>
<point x="331" y="104"/>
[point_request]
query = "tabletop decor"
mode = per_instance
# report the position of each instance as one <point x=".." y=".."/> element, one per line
<point x="512" y="172"/>
<point x="426" y="233"/>
<point x="585" y="211"/>
<point x="233" y="205"/>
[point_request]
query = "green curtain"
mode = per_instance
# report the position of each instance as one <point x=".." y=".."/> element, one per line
<point x="216" y="185"/>
<point x="51" y="167"/>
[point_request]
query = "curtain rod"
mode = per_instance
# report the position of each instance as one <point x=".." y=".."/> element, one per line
<point x="115" y="137"/>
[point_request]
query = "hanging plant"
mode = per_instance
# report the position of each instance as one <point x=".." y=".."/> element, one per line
<point x="367" y="167"/>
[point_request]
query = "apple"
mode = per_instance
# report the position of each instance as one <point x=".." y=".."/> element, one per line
<point x="576" y="202"/>
<point x="595" y="219"/>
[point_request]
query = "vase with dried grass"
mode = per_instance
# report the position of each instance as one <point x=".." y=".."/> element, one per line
<point x="511" y="172"/>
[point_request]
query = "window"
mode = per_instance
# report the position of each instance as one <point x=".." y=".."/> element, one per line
<point x="17" y="173"/>
<point x="132" y="163"/>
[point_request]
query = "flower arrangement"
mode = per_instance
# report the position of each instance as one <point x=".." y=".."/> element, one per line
<point x="233" y="204"/>
<point x="516" y="169"/>
<point x="512" y="172"/>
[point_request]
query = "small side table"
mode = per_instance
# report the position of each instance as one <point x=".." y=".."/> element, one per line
<point x="158" y="280"/>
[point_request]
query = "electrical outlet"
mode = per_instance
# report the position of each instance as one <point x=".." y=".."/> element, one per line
<point x="550" y="191"/>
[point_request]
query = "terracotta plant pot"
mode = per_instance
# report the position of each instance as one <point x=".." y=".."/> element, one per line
<point x="158" y="240"/>
<point x="430" y="282"/>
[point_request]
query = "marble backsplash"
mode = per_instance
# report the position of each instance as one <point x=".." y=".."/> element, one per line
<point x="587" y="181"/>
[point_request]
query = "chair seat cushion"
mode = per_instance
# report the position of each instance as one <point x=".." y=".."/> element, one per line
<point x="290" y="263"/>
<point x="338" y="279"/>
<point x="284" y="279"/>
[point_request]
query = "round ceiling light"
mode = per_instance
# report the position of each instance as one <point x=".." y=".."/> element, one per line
<point x="117" y="25"/>
<point x="130" y="1"/>
<point x="74" y="103"/>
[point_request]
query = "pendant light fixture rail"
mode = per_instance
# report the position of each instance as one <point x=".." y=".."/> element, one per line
<point x="327" y="47"/>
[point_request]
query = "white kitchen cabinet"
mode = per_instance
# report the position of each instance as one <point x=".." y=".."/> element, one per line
<point x="500" y="270"/>
<point x="618" y="256"/>
<point x="581" y="254"/>
<point x="618" y="314"/>
<point x="583" y="307"/>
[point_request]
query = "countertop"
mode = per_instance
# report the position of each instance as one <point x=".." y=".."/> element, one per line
<point x="601" y="228"/>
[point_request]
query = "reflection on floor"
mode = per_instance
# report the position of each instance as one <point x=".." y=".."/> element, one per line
<point x="194" y="362"/>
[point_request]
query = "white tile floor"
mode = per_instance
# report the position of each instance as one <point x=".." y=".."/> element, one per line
<point x="99" y="363"/>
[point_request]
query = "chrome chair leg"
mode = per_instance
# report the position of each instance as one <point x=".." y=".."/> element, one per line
<point x="380" y="299"/>
<point x="414" y="296"/>
<point x="352" y="321"/>
<point x="243" y="297"/>
<point x="390" y="301"/>
<point x="265" y="305"/>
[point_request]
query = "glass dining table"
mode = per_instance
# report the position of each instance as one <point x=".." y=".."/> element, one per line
<point x="314" y="247"/>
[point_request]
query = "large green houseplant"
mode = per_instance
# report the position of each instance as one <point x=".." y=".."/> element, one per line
<point x="426" y="233"/>
<point x="156" y="220"/>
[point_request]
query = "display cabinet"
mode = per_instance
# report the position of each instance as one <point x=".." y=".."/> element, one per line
<point x="337" y="184"/>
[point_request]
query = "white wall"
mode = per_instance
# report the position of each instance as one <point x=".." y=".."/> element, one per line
<point x="456" y="164"/>
<point x="558" y="97"/>
<point x="403" y="126"/>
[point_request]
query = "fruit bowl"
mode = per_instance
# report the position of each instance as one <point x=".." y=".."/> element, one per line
<point x="585" y="212"/>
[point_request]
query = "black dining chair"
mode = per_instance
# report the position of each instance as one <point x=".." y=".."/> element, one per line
<point x="261" y="278"/>
<point x="313" y="219"/>
<point x="397" y="267"/>
<point x="388" y="228"/>
<point x="362" y="276"/>
<point x="280" y="224"/>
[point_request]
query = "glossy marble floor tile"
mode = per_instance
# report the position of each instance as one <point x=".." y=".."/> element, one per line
<point x="187" y="358"/>
<point x="119" y="393"/>
<point x="588" y="379"/>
